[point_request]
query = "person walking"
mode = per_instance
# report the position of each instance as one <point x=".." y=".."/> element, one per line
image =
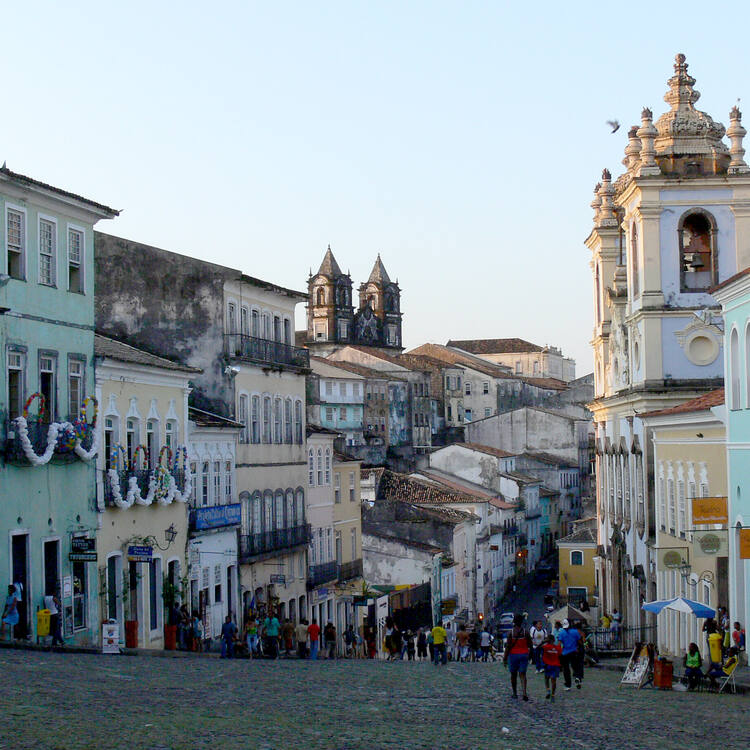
<point x="350" y="641"/>
<point x="551" y="653"/>
<point x="302" y="636"/>
<point x="570" y="640"/>
<point x="462" y="639"/>
<point x="228" y="637"/>
<point x="538" y="639"/>
<point x="251" y="635"/>
<point x="313" y="632"/>
<point x="287" y="636"/>
<point x="271" y="629"/>
<point x="485" y="643"/>
<point x="439" y="637"/>
<point x="52" y="603"/>
<point x="421" y="644"/>
<point x="450" y="642"/>
<point x="516" y="656"/>
<point x="329" y="637"/>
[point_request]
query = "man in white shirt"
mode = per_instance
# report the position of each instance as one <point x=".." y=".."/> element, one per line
<point x="538" y="637"/>
<point x="450" y="635"/>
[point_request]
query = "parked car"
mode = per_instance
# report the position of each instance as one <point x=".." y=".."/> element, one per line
<point x="505" y="624"/>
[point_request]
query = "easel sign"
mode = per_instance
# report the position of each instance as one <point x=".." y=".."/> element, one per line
<point x="637" y="671"/>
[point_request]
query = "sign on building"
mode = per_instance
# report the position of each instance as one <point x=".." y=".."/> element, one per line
<point x="278" y="578"/>
<point x="710" y="510"/>
<point x="711" y="543"/>
<point x="82" y="550"/>
<point x="140" y="553"/>
<point x="670" y="558"/>
<point x="216" y="516"/>
<point x="744" y="544"/>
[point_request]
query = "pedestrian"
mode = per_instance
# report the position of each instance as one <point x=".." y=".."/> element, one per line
<point x="410" y="649"/>
<point x="551" y="653"/>
<point x="329" y="637"/>
<point x="10" y="611"/>
<point x="693" y="664"/>
<point x="485" y="643"/>
<point x="271" y="629"/>
<point x="570" y="640"/>
<point x="52" y="603"/>
<point x="228" y="637"/>
<point x="462" y="638"/>
<point x="421" y="644"/>
<point x="197" y="632"/>
<point x="430" y="645"/>
<point x="287" y="637"/>
<point x="389" y="627"/>
<point x="450" y="642"/>
<point x="556" y="630"/>
<point x="313" y="632"/>
<point x="251" y="635"/>
<point x="474" y="644"/>
<point x="183" y="629"/>
<point x="350" y="641"/>
<point x="738" y="637"/>
<point x="538" y="639"/>
<point x="302" y="636"/>
<point x="396" y="641"/>
<point x="516" y="656"/>
<point x="439" y="637"/>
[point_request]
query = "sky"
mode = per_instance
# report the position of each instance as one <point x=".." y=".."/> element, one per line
<point x="460" y="140"/>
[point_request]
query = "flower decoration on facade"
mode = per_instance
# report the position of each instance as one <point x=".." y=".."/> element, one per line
<point x="30" y="401"/>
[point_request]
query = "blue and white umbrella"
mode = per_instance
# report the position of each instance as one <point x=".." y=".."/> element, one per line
<point x="680" y="604"/>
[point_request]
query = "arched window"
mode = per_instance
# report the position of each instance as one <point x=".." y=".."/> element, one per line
<point x="734" y="368"/>
<point x="311" y="468"/>
<point x="290" y="508"/>
<point x="279" y="509"/>
<point x="298" y="422"/>
<point x="255" y="420"/>
<point x="266" y="419"/>
<point x="300" y="507"/>
<point x="698" y="254"/>
<point x="319" y="467"/>
<point x="320" y="296"/>
<point x="267" y="511"/>
<point x="635" y="270"/>
<point x="576" y="557"/>
<point x="670" y="506"/>
<point x="277" y="420"/>
<point x="328" y="466"/>
<point x="288" y="421"/>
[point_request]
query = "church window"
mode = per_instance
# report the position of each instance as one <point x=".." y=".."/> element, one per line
<point x="635" y="271"/>
<point x="320" y="296"/>
<point x="698" y="256"/>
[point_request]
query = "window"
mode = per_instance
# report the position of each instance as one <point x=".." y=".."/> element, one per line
<point x="681" y="520"/>
<point x="243" y="418"/>
<point x="154" y="605"/>
<point x="217" y="483"/>
<point x="80" y="587"/>
<point x="266" y="419"/>
<point x="47" y="386"/>
<point x="351" y="487"/>
<point x="75" y="260"/>
<point x="217" y="584"/>
<point x="277" y="328"/>
<point x="75" y="387"/>
<point x="458" y="382"/>
<point x="662" y="503"/>
<point x="343" y="329"/>
<point x="288" y="421"/>
<point x="254" y="324"/>
<point x="231" y="318"/>
<point x="485" y="387"/>
<point x="244" y="322"/>
<point x="670" y="505"/>
<point x="369" y="393"/>
<point x="131" y="438"/>
<point x="448" y="382"/>
<point x="467" y="387"/>
<point x="536" y="368"/>
<point x="278" y="507"/>
<point x="342" y="388"/>
<point x="47" y="252"/>
<point x="339" y="551"/>
<point x="277" y="420"/>
<point x="342" y="413"/>
<point x="576" y="557"/>
<point x="487" y="411"/>
<point x="255" y="421"/>
<point x="194" y="487"/>
<point x="152" y="438"/>
<point x="171" y="434"/>
<point x="109" y="441"/>
<point x="698" y="262"/>
<point x="319" y="467"/>
<point x="267" y="326"/>
<point x="204" y="484"/>
<point x="329" y="388"/>
<point x="300" y="506"/>
<point x="290" y="514"/>
<point x="15" y="236"/>
<point x="328" y="466"/>
<point x="287" y="332"/>
<point x="310" y="468"/>
<point x="467" y="415"/>
<point x="519" y="367"/>
<point x="298" y="422"/>
<point x="734" y="364"/>
<point x="354" y="543"/>
<point x="337" y="487"/>
<point x="635" y="271"/>
<point x="329" y="414"/>
<point x="329" y="539"/>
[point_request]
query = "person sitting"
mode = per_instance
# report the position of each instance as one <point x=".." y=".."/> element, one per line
<point x="693" y="664"/>
<point x="719" y="671"/>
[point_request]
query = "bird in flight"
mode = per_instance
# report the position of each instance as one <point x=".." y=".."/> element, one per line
<point x="614" y="124"/>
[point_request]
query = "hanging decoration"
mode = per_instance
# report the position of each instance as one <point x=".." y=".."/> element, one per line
<point x="30" y="401"/>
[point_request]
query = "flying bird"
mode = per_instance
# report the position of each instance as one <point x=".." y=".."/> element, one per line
<point x="614" y="124"/>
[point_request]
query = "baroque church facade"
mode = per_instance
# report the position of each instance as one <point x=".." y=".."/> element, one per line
<point x="671" y="227"/>
<point x="332" y="321"/>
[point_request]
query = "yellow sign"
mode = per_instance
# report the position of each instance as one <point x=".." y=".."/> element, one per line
<point x="744" y="544"/>
<point x="710" y="510"/>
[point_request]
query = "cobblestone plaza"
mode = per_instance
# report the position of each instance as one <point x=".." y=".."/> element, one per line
<point x="50" y="700"/>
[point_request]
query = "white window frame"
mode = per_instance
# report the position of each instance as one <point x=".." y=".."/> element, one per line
<point x="82" y="261"/>
<point x="81" y="377"/>
<point x="53" y="255"/>
<point x="24" y="239"/>
<point x="579" y="552"/>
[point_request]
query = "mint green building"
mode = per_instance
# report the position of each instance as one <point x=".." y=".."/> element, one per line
<point x="47" y="471"/>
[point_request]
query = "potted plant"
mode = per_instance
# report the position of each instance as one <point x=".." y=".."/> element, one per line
<point x="171" y="595"/>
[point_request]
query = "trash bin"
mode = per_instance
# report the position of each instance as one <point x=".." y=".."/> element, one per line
<point x="42" y="622"/>
<point x="663" y="674"/>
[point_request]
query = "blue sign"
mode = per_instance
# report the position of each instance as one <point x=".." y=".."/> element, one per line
<point x="140" y="553"/>
<point x="218" y="515"/>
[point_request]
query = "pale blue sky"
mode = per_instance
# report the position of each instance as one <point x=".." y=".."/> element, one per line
<point x="460" y="140"/>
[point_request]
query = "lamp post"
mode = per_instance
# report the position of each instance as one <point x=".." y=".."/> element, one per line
<point x="170" y="535"/>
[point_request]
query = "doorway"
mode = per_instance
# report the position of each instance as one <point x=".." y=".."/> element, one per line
<point x="52" y="568"/>
<point x="20" y="574"/>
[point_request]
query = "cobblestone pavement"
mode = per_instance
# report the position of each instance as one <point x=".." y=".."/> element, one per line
<point x="70" y="701"/>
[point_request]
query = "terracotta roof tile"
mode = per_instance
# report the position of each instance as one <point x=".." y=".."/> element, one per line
<point x="455" y="357"/>
<point x="702" y="403"/>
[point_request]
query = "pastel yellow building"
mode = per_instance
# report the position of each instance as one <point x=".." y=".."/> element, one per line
<point x="576" y="553"/>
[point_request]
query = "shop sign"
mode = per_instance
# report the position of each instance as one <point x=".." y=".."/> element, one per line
<point x="710" y="510"/>
<point x="82" y="550"/>
<point x="321" y="594"/>
<point x="140" y="553"/>
<point x="215" y="516"/>
<point x="670" y="558"/>
<point x="744" y="544"/>
<point x="278" y="578"/>
<point x="711" y="543"/>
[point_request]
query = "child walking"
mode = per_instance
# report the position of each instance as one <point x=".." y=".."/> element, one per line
<point x="551" y="653"/>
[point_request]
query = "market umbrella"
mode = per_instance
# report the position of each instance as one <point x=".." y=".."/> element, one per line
<point x="680" y="604"/>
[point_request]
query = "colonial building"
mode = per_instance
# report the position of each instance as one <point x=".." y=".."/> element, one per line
<point x="331" y="319"/>
<point x="47" y="475"/>
<point x="673" y="225"/>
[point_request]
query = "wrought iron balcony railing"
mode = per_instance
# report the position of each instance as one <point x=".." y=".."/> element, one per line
<point x="320" y="574"/>
<point x="265" y="351"/>
<point x="38" y="431"/>
<point x="349" y="570"/>
<point x="142" y="476"/>
<point x="252" y="545"/>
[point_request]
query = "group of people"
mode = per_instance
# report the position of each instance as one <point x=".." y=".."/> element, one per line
<point x="439" y="644"/>
<point x="724" y="647"/>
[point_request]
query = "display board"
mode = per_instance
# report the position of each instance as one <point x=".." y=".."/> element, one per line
<point x="639" y="666"/>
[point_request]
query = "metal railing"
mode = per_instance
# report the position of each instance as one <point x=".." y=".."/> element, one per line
<point x="319" y="574"/>
<point x="621" y="639"/>
<point x="349" y="570"/>
<point x="252" y="545"/>
<point x="264" y="350"/>
<point x="37" y="433"/>
<point x="142" y="476"/>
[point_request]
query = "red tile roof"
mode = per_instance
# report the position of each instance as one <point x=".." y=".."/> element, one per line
<point x="453" y="357"/>
<point x="730" y="280"/>
<point x="702" y="403"/>
<point x="495" y="346"/>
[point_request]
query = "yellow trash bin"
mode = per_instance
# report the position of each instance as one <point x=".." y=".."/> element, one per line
<point x="42" y="622"/>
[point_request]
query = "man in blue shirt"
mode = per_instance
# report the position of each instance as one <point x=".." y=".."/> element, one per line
<point x="570" y="640"/>
<point x="228" y="637"/>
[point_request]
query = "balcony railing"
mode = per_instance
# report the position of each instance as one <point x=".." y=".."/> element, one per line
<point x="349" y="570"/>
<point x="266" y="351"/>
<point x="252" y="545"/>
<point x="142" y="476"/>
<point x="37" y="434"/>
<point x="319" y="574"/>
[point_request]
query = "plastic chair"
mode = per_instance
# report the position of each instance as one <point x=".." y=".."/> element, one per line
<point x="728" y="679"/>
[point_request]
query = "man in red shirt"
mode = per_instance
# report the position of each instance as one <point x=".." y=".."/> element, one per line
<point x="516" y="655"/>
<point x="313" y="630"/>
<point x="551" y="653"/>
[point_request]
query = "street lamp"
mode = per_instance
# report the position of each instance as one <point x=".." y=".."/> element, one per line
<point x="170" y="535"/>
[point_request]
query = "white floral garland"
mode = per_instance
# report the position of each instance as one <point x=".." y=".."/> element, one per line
<point x="21" y="427"/>
<point x="133" y="494"/>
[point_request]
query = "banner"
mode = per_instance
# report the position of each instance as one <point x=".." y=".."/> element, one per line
<point x="711" y="543"/>
<point x="670" y="558"/>
<point x="744" y="544"/>
<point x="710" y="510"/>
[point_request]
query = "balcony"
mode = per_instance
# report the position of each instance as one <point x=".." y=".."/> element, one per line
<point x="253" y="545"/>
<point x="266" y="352"/>
<point x="350" y="570"/>
<point x="143" y="478"/>
<point x="320" y="574"/>
<point x="38" y="430"/>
